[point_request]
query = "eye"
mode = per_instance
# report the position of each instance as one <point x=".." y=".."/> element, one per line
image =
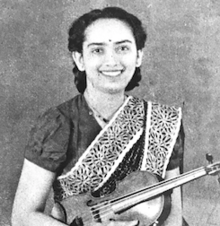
<point x="123" y="48"/>
<point x="97" y="50"/>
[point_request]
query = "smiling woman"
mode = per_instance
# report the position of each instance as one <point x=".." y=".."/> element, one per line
<point x="109" y="60"/>
<point x="94" y="142"/>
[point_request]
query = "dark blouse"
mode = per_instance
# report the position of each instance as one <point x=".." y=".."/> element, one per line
<point x="63" y="133"/>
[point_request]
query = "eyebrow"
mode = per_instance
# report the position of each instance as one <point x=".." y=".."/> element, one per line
<point x="103" y="44"/>
<point x="124" y="41"/>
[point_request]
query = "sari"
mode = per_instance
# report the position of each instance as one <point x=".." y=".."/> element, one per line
<point x="140" y="137"/>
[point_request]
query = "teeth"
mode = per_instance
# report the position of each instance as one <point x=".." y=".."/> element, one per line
<point x="111" y="73"/>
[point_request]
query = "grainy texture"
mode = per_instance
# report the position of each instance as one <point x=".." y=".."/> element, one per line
<point x="181" y="65"/>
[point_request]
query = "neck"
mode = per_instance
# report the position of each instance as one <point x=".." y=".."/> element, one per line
<point x="104" y="103"/>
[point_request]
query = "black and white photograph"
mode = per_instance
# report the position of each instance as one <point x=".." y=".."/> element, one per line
<point x="110" y="113"/>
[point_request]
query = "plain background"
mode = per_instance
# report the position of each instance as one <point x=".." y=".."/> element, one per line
<point x="181" y="67"/>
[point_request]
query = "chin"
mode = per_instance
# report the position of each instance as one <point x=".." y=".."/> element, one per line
<point x="115" y="90"/>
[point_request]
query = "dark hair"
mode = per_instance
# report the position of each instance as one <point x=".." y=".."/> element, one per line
<point x="77" y="37"/>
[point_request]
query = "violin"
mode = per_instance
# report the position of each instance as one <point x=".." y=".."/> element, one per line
<point x="140" y="196"/>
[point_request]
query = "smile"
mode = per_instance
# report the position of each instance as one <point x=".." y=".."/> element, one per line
<point x="112" y="73"/>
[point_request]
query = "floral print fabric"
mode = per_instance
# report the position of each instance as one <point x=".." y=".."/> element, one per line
<point x="106" y="152"/>
<point x="163" y="128"/>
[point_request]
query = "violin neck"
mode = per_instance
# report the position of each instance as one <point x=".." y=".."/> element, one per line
<point x="156" y="189"/>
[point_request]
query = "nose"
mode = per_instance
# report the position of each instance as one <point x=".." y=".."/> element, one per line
<point x="110" y="58"/>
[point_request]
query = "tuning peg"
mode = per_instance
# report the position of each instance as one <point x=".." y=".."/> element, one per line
<point x="209" y="158"/>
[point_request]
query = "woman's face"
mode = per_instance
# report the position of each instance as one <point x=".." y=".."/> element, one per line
<point x="109" y="56"/>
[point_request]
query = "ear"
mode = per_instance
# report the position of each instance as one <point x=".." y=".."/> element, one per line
<point x="78" y="60"/>
<point x="139" y="57"/>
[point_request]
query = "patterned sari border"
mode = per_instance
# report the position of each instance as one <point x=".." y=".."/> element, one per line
<point x="96" y="139"/>
<point x="121" y="157"/>
<point x="162" y="129"/>
<point x="106" y="152"/>
<point x="175" y="135"/>
<point x="149" y="109"/>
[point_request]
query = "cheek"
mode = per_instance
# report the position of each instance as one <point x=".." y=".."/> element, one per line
<point x="130" y="59"/>
<point x="92" y="62"/>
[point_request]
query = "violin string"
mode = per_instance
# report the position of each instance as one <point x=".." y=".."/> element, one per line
<point x="150" y="188"/>
<point x="102" y="214"/>
<point x="105" y="205"/>
<point x="118" y="199"/>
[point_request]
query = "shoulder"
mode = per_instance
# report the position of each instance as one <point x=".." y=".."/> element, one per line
<point x="158" y="107"/>
<point x="165" y="116"/>
<point x="164" y="110"/>
<point x="162" y="106"/>
<point x="62" y="112"/>
<point x="49" y="137"/>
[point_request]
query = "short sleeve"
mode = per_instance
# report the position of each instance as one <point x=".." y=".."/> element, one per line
<point x="176" y="159"/>
<point x="48" y="140"/>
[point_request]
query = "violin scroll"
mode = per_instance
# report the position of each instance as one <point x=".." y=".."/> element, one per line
<point x="213" y="168"/>
<point x="209" y="158"/>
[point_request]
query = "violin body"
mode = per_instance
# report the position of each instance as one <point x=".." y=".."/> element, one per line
<point x="87" y="209"/>
<point x="140" y="196"/>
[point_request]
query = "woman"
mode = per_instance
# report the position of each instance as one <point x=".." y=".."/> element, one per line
<point x="95" y="140"/>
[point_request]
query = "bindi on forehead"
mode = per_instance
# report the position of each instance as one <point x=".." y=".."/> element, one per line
<point x="110" y="40"/>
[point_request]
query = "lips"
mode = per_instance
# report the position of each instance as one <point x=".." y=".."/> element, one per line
<point x="111" y="73"/>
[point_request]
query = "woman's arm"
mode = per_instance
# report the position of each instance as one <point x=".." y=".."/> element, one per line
<point x="30" y="199"/>
<point x="175" y="217"/>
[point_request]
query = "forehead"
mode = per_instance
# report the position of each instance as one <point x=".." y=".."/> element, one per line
<point x="108" y="30"/>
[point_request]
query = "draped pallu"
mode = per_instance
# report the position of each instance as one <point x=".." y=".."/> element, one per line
<point x="140" y="136"/>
